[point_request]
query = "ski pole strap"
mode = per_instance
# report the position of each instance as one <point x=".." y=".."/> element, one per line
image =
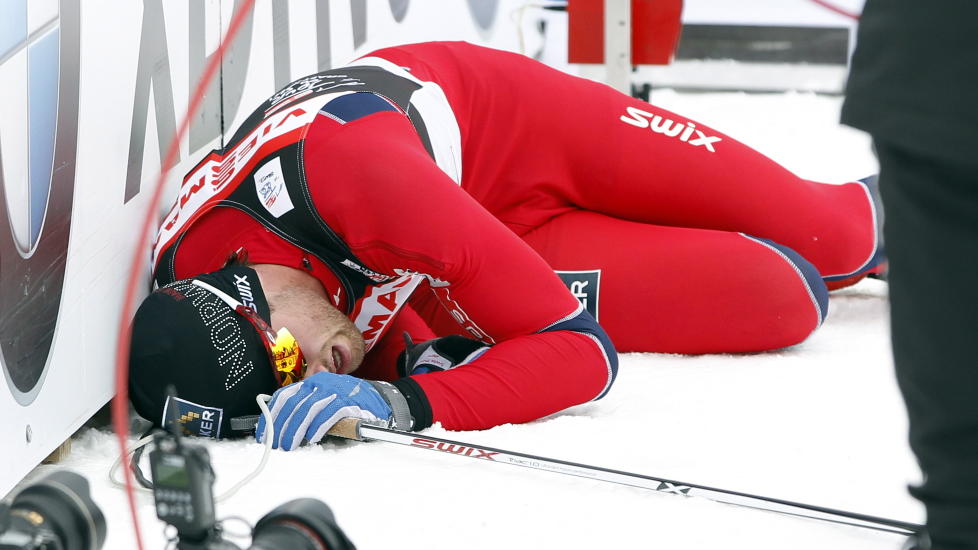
<point x="351" y="428"/>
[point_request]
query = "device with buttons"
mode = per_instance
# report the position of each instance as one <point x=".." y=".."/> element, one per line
<point x="183" y="486"/>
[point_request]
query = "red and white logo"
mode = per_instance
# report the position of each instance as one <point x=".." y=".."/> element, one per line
<point x="378" y="306"/>
<point x="659" y="125"/>
<point x="452" y="448"/>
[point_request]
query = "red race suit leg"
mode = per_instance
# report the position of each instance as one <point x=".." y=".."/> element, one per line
<point x="682" y="290"/>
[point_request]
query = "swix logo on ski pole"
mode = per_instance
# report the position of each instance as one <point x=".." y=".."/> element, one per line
<point x="452" y="448"/>
<point x="654" y="122"/>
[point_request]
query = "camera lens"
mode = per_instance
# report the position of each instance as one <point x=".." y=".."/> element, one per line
<point x="301" y="524"/>
<point x="61" y="505"/>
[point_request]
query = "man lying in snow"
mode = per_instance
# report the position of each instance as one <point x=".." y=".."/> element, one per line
<point x="432" y="190"/>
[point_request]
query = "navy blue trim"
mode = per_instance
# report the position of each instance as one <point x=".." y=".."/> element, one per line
<point x="350" y="107"/>
<point x="871" y="184"/>
<point x="814" y="281"/>
<point x="584" y="323"/>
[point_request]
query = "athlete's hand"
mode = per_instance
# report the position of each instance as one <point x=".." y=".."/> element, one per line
<point x="438" y="354"/>
<point x="307" y="410"/>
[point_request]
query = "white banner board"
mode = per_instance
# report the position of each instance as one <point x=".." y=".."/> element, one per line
<point x="92" y="94"/>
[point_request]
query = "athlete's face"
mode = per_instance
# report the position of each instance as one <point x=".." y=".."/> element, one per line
<point x="328" y="339"/>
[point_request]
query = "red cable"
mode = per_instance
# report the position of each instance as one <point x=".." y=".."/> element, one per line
<point x="832" y="7"/>
<point x="120" y="404"/>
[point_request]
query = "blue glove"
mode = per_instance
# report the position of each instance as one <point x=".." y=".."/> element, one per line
<point x="308" y="409"/>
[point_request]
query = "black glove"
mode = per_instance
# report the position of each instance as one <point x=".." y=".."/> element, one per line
<point x="438" y="354"/>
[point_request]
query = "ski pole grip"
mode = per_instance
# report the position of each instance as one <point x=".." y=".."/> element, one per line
<point x="347" y="428"/>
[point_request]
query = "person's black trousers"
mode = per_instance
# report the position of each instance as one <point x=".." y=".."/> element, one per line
<point x="931" y="237"/>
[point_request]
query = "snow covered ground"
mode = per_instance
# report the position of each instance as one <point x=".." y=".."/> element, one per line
<point x="820" y="423"/>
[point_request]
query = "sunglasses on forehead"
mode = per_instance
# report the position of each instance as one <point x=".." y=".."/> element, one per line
<point x="288" y="365"/>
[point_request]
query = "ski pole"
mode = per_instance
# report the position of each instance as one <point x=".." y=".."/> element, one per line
<point x="350" y="428"/>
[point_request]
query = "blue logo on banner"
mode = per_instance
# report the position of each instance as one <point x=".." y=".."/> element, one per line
<point x="39" y="50"/>
<point x="34" y="50"/>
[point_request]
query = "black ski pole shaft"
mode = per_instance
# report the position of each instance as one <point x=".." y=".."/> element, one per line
<point x="353" y="429"/>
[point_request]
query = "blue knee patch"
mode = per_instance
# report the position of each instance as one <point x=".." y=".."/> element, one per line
<point x="811" y="277"/>
<point x="350" y="107"/>
<point x="581" y="321"/>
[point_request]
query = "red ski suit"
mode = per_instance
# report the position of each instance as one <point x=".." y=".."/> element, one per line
<point x="495" y="168"/>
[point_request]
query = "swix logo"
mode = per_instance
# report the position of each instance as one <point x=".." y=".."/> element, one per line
<point x="654" y="122"/>
<point x="454" y="449"/>
<point x="244" y="290"/>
